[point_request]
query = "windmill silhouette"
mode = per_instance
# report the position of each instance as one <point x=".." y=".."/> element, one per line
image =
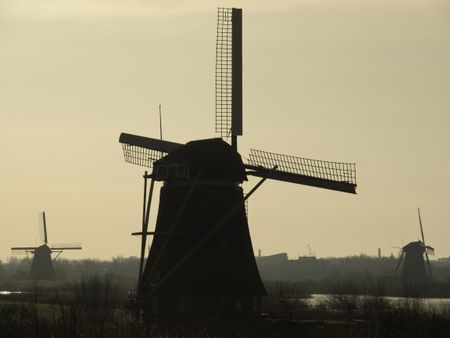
<point x="412" y="262"/>
<point x="201" y="258"/>
<point x="42" y="264"/>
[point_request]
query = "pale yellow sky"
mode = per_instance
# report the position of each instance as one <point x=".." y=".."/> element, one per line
<point x="357" y="81"/>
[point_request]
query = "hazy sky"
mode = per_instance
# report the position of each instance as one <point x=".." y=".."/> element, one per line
<point x="357" y="81"/>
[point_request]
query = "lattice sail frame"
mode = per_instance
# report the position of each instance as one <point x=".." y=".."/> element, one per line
<point x="223" y="71"/>
<point x="333" y="171"/>
<point x="141" y="156"/>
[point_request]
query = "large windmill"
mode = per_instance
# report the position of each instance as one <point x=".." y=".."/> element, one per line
<point x="42" y="264"/>
<point x="414" y="270"/>
<point x="201" y="258"/>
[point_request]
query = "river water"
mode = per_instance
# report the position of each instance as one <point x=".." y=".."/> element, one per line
<point x="317" y="299"/>
<point x="8" y="293"/>
<point x="323" y="299"/>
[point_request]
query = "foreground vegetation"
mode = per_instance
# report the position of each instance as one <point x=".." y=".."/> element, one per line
<point x="100" y="307"/>
<point x="91" y="299"/>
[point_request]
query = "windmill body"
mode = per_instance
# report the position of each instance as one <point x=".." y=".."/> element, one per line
<point x="201" y="260"/>
<point x="222" y="275"/>
<point x="414" y="271"/>
<point x="42" y="265"/>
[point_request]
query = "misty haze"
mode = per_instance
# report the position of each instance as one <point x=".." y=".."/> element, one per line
<point x="254" y="170"/>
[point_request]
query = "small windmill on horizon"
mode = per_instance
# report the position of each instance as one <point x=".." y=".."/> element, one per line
<point x="414" y="268"/>
<point x="42" y="264"/>
<point x="201" y="259"/>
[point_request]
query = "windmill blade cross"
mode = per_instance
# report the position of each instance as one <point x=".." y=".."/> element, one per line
<point x="337" y="176"/>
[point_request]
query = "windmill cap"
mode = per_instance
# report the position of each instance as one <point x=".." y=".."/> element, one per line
<point x="214" y="159"/>
<point x="415" y="246"/>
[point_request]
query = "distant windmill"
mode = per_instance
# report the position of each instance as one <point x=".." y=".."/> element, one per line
<point x="412" y="263"/>
<point x="201" y="259"/>
<point x="42" y="265"/>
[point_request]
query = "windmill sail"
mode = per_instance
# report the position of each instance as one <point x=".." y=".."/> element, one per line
<point x="45" y="227"/>
<point x="323" y="174"/>
<point x="426" y="248"/>
<point x="42" y="224"/>
<point x="144" y="151"/>
<point x="21" y="252"/>
<point x="229" y="73"/>
<point x="18" y="250"/>
<point x="65" y="246"/>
